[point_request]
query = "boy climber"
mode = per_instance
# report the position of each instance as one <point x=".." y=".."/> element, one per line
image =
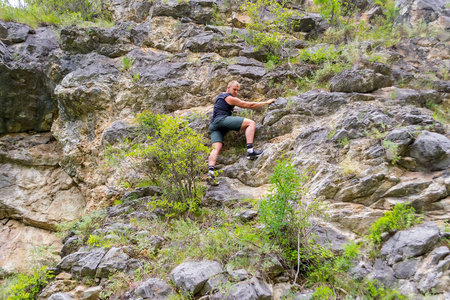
<point x="222" y="122"/>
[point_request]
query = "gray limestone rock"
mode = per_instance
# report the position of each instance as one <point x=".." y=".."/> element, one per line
<point x="60" y="296"/>
<point x="140" y="192"/>
<point x="431" y="12"/>
<point x="246" y="215"/>
<point x="253" y="52"/>
<point x="26" y="98"/>
<point x="262" y="290"/>
<point x="407" y="288"/>
<point x="329" y="238"/>
<point x="253" y="289"/>
<point x="239" y="275"/>
<point x="18" y="33"/>
<point x="411" y="242"/>
<point x="214" y="284"/>
<point x="198" y="10"/>
<point x="3" y="31"/>
<point x="115" y="259"/>
<point x="191" y="276"/>
<point x="117" y="132"/>
<point x="360" y="270"/>
<point x="305" y="22"/>
<point x="203" y="42"/>
<point x="272" y="266"/>
<point x="406" y="268"/>
<point x="382" y="273"/>
<point x="401" y="136"/>
<point x="432" y="151"/>
<point x="247" y="71"/>
<point x="442" y="86"/>
<point x="407" y="188"/>
<point x="111" y="42"/>
<point x="92" y="293"/>
<point x="71" y="245"/>
<point x="356" y="190"/>
<point x="360" y="81"/>
<point x="154" y="288"/>
<point x="223" y="194"/>
<point x="82" y="263"/>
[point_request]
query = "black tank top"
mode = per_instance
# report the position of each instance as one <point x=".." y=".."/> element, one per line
<point x="221" y="107"/>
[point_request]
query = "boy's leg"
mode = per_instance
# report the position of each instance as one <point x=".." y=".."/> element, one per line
<point x="216" y="147"/>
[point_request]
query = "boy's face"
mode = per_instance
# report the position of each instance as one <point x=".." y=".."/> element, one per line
<point x="233" y="90"/>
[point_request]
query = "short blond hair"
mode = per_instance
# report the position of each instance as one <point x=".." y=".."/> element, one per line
<point x="233" y="83"/>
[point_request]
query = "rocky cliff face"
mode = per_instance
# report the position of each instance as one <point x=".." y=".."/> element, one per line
<point x="66" y="93"/>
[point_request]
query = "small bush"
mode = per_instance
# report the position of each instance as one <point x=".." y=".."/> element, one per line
<point x="392" y="151"/>
<point x="166" y="151"/>
<point x="330" y="10"/>
<point x="268" y="34"/>
<point x="58" y="12"/>
<point x="402" y="216"/>
<point x="29" y="286"/>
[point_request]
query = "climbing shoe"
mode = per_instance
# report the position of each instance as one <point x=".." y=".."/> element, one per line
<point x="254" y="154"/>
<point x="212" y="178"/>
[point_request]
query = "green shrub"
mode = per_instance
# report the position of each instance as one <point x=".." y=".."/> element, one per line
<point x="402" y="216"/>
<point x="389" y="9"/>
<point x="277" y="211"/>
<point x="85" y="225"/>
<point x="29" y="286"/>
<point x="330" y="10"/>
<point x="88" y="9"/>
<point x="37" y="13"/>
<point x="264" y="33"/>
<point x="392" y="151"/>
<point x="323" y="293"/>
<point x="287" y="217"/>
<point x="168" y="152"/>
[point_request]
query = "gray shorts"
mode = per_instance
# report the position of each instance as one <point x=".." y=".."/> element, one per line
<point x="221" y="125"/>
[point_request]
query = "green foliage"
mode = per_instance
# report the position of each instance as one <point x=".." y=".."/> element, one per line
<point x="441" y="113"/>
<point x="320" y="54"/>
<point x="268" y="34"/>
<point x="88" y="9"/>
<point x="402" y="216"/>
<point x="98" y="241"/>
<point x="287" y="217"/>
<point x="126" y="64"/>
<point x="374" y="291"/>
<point x="84" y="226"/>
<point x="117" y="282"/>
<point x="389" y="9"/>
<point x="330" y="10"/>
<point x="342" y="142"/>
<point x="392" y="151"/>
<point x="29" y="286"/>
<point x="58" y="12"/>
<point x="323" y="293"/>
<point x="277" y="210"/>
<point x="169" y="153"/>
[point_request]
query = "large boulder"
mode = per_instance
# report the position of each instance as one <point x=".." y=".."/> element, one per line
<point x="359" y="81"/>
<point x="19" y="241"/>
<point x="82" y="263"/>
<point x="111" y="42"/>
<point x="154" y="288"/>
<point x="191" y="276"/>
<point x="432" y="12"/>
<point x="431" y="151"/>
<point x="411" y="242"/>
<point x="26" y="97"/>
<point x="200" y="11"/>
<point x="33" y="188"/>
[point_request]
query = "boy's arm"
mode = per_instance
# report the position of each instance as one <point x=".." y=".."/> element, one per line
<point x="244" y="104"/>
